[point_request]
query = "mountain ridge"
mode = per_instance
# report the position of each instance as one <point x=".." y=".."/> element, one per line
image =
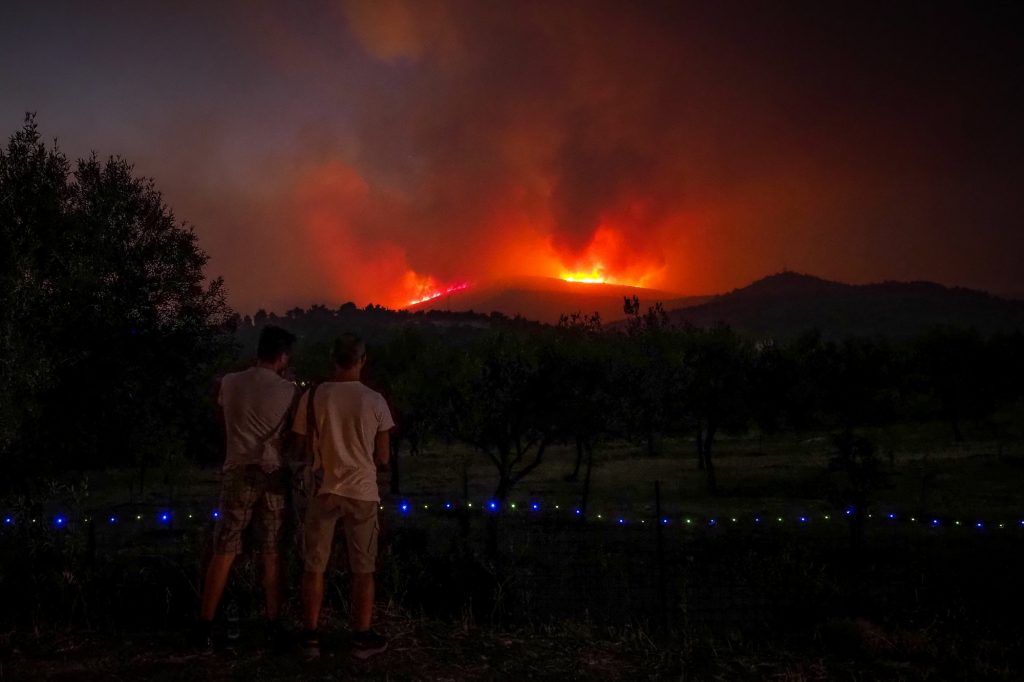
<point x="788" y="302"/>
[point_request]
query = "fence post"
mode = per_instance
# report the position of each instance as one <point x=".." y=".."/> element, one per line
<point x="660" y="548"/>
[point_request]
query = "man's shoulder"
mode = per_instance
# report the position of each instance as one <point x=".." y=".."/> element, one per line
<point x="232" y="378"/>
<point x="348" y="392"/>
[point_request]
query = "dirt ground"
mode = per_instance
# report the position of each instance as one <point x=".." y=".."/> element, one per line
<point x="420" y="649"/>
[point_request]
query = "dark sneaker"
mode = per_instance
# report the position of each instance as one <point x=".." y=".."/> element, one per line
<point x="368" y="643"/>
<point x="275" y="635"/>
<point x="309" y="645"/>
<point x="201" y="636"/>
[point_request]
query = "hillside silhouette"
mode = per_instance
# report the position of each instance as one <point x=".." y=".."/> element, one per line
<point x="787" y="303"/>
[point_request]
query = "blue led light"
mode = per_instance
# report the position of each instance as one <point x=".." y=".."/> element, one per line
<point x="712" y="522"/>
<point x="492" y="505"/>
<point x="849" y="511"/>
<point x="580" y="513"/>
<point x="447" y="505"/>
<point x="892" y="516"/>
<point x="164" y="517"/>
<point x="535" y="506"/>
<point x="979" y="524"/>
<point x="8" y="520"/>
<point x="803" y="519"/>
<point x="664" y="522"/>
<point x="404" y="507"/>
<point x="622" y="520"/>
<point x="216" y="514"/>
<point x="59" y="521"/>
<point x="935" y="522"/>
<point x="112" y="519"/>
<point x="757" y="519"/>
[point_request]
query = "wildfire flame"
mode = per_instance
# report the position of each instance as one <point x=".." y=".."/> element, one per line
<point x="606" y="261"/>
<point x="430" y="294"/>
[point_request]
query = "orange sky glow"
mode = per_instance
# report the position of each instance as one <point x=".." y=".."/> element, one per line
<point x="387" y="151"/>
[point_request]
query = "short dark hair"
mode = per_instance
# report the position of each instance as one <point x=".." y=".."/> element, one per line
<point x="273" y="342"/>
<point x="348" y="350"/>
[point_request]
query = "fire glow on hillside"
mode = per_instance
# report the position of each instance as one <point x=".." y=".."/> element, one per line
<point x="607" y="259"/>
<point x="609" y="247"/>
<point x="431" y="293"/>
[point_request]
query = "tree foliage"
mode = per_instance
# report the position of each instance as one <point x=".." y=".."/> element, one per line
<point x="110" y="328"/>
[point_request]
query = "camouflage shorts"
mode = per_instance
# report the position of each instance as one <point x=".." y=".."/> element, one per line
<point x="248" y="492"/>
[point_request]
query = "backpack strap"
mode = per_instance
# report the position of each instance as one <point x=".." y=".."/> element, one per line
<point x="312" y="454"/>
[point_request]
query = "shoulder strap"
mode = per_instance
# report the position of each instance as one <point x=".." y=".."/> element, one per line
<point x="312" y="432"/>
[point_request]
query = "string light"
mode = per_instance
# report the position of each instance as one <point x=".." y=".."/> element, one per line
<point x="495" y="506"/>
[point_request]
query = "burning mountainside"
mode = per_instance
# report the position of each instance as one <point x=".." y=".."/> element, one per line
<point x="547" y="298"/>
<point x="431" y="294"/>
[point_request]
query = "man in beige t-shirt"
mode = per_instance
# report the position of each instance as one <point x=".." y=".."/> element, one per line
<point x="349" y="424"/>
<point x="256" y="405"/>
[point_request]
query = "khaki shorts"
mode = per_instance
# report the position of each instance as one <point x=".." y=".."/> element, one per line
<point x="245" y="493"/>
<point x="358" y="517"/>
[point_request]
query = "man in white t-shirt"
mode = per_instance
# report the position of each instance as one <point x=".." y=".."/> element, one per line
<point x="348" y="424"/>
<point x="256" y="405"/>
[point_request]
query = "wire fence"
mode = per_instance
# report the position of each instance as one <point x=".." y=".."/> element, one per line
<point x="541" y="562"/>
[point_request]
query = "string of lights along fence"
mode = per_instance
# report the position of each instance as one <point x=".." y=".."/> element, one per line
<point x="538" y="510"/>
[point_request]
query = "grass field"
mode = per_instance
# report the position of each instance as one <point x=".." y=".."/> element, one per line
<point x="565" y="599"/>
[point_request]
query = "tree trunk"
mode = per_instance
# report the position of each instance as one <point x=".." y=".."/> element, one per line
<point x="393" y="466"/>
<point x="579" y="460"/>
<point x="464" y="511"/>
<point x="585" y="497"/>
<point x="709" y="465"/>
<point x="958" y="435"/>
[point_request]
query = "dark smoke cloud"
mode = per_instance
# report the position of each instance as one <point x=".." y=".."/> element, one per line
<point x="372" y="150"/>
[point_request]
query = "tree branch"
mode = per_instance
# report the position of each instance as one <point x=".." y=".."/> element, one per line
<point x="534" y="464"/>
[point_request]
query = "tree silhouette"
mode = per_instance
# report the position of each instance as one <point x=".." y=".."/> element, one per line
<point x="110" y="329"/>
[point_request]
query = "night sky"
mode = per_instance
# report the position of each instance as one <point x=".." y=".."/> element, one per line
<point x="333" y="151"/>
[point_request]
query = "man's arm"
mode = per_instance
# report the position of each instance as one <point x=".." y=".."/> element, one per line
<point x="382" y="448"/>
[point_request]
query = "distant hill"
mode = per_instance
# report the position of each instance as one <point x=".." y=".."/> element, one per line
<point x="788" y="303"/>
<point x="545" y="299"/>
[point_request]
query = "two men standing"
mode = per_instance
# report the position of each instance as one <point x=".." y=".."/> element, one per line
<point x="343" y="425"/>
